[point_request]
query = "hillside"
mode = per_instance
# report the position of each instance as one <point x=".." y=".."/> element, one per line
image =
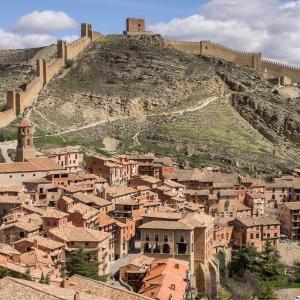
<point x="17" y="67"/>
<point x="128" y="94"/>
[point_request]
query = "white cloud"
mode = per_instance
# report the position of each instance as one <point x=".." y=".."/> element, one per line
<point x="268" y="26"/>
<point x="10" y="40"/>
<point x="36" y="29"/>
<point x="70" y="38"/>
<point x="47" y="21"/>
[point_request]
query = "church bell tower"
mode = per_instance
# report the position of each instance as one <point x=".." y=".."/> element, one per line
<point x="25" y="147"/>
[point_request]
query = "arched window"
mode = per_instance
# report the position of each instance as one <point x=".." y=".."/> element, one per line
<point x="147" y="249"/>
<point x="28" y="142"/>
<point x="156" y="248"/>
<point x="166" y="248"/>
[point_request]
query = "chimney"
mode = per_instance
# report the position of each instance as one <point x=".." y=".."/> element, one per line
<point x="65" y="283"/>
<point x="173" y="286"/>
<point x="76" y="296"/>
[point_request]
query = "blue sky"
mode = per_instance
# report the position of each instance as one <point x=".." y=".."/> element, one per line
<point x="107" y="16"/>
<point x="268" y="26"/>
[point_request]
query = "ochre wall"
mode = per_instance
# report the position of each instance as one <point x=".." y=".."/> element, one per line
<point x="18" y="101"/>
<point x="188" y="47"/>
<point x="53" y="68"/>
<point x="249" y="59"/>
<point x="73" y="49"/>
<point x="7" y="117"/>
<point x="278" y="70"/>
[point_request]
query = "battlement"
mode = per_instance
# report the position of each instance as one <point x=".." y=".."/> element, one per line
<point x="235" y="51"/>
<point x="252" y="60"/>
<point x="19" y="100"/>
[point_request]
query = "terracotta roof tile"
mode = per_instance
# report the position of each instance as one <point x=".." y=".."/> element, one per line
<point x="83" y="234"/>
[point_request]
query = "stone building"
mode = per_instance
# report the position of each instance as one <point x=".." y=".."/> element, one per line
<point x="85" y="238"/>
<point x="189" y="239"/>
<point x="116" y="170"/>
<point x="289" y="215"/>
<point x="69" y="157"/>
<point x="257" y="202"/>
<point x="256" y="231"/>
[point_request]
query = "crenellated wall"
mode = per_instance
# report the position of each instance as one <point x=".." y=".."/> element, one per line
<point x="249" y="59"/>
<point x="73" y="49"/>
<point x="279" y="70"/>
<point x="18" y="101"/>
<point x="188" y="47"/>
<point x="207" y="48"/>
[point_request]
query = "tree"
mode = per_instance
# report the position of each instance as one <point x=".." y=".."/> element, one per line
<point x="47" y="279"/>
<point x="81" y="263"/>
<point x="266" y="292"/>
<point x="27" y="275"/>
<point x="42" y="279"/>
<point x="270" y="257"/>
<point x="247" y="258"/>
<point x="4" y="272"/>
<point x="270" y="253"/>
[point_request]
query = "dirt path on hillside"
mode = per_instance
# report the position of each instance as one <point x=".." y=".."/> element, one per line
<point x="5" y="146"/>
<point x="203" y="104"/>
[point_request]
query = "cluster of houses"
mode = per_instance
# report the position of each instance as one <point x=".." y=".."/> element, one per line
<point x="155" y="228"/>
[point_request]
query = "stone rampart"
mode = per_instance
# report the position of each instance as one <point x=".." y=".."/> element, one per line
<point x="249" y="59"/>
<point x="53" y="68"/>
<point x="188" y="47"/>
<point x="6" y="117"/>
<point x="278" y="70"/>
<point x="73" y="49"/>
<point x="19" y="100"/>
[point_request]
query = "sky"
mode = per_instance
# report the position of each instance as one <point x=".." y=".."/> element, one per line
<point x="268" y="26"/>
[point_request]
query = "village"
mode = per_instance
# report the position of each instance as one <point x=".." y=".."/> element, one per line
<point x="153" y="229"/>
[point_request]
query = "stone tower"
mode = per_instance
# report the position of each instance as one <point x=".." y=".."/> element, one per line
<point x="25" y="147"/>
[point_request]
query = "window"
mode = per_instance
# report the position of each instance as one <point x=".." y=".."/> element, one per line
<point x="147" y="249"/>
<point x="166" y="238"/>
<point x="147" y="238"/>
<point x="251" y="236"/>
<point x="181" y="238"/>
<point x="87" y="243"/>
<point x="181" y="249"/>
<point x="166" y="249"/>
<point x="156" y="248"/>
<point x="257" y="235"/>
<point x="156" y="237"/>
<point x="268" y="235"/>
<point x="22" y="234"/>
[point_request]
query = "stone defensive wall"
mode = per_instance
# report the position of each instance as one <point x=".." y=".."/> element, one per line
<point x="279" y="70"/>
<point x="249" y="59"/>
<point x="19" y="100"/>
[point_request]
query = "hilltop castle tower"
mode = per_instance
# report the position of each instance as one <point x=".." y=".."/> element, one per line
<point x="136" y="27"/>
<point x="25" y="147"/>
